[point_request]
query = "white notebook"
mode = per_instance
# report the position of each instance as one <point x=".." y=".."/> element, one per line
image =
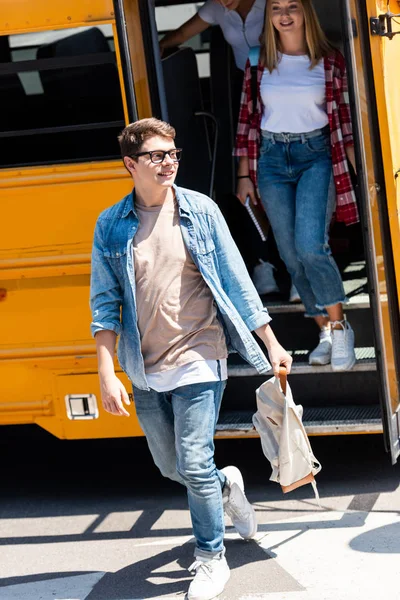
<point x="259" y="219"/>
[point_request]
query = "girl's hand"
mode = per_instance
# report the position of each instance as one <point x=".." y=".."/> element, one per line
<point x="245" y="189"/>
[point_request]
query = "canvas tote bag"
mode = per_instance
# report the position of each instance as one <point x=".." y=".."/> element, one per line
<point x="284" y="440"/>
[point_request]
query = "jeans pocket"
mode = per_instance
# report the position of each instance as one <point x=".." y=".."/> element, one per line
<point x="145" y="401"/>
<point x="319" y="144"/>
<point x="266" y="146"/>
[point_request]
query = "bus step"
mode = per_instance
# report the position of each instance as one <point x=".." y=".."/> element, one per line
<point x="365" y="362"/>
<point x="318" y="420"/>
<point x="358" y="302"/>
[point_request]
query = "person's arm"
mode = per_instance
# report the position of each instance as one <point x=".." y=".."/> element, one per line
<point x="105" y="302"/>
<point x="113" y="392"/>
<point x="245" y="186"/>
<point x="277" y="354"/>
<point x="185" y="32"/>
<point x="351" y="157"/>
<point x="345" y="118"/>
<point x="240" y="289"/>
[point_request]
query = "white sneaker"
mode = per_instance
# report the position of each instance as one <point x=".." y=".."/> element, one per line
<point x="263" y="278"/>
<point x="236" y="505"/>
<point x="321" y="355"/>
<point x="343" y="355"/>
<point x="210" y="579"/>
<point x="294" y="295"/>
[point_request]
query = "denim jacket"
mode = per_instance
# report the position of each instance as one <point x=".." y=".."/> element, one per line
<point x="209" y="242"/>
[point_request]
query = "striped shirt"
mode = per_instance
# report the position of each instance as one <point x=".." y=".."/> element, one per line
<point x="338" y="111"/>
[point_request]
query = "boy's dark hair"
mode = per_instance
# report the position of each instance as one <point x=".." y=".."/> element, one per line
<point x="133" y="136"/>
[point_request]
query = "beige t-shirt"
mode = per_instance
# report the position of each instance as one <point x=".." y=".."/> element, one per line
<point x="177" y="316"/>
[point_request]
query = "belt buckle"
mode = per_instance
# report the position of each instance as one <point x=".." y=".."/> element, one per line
<point x="286" y="137"/>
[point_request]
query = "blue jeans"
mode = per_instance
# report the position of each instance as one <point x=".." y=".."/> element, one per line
<point x="295" y="181"/>
<point x="179" y="426"/>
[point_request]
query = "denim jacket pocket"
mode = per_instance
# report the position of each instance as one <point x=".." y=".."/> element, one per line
<point x="204" y="251"/>
<point x="204" y="246"/>
<point x="116" y="258"/>
<point x="115" y="251"/>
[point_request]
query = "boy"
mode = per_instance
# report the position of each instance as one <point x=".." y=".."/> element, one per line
<point x="168" y="278"/>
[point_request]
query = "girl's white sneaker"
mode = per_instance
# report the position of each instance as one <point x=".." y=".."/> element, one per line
<point x="343" y="355"/>
<point x="321" y="355"/>
<point x="263" y="278"/>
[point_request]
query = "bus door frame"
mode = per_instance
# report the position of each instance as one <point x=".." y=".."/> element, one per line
<point x="137" y="28"/>
<point x="374" y="215"/>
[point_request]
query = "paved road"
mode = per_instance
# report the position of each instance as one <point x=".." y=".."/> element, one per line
<point x="95" y="521"/>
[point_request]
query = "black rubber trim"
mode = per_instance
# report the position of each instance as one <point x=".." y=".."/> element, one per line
<point x="153" y="60"/>
<point x="62" y="161"/>
<point x="61" y="129"/>
<point x="60" y="62"/>
<point x="125" y="60"/>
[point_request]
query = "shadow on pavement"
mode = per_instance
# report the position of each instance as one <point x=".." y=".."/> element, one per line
<point x="163" y="574"/>
<point x="148" y="579"/>
<point x="382" y="540"/>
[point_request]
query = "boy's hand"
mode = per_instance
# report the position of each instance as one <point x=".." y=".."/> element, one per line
<point x="279" y="357"/>
<point x="113" y="394"/>
<point x="277" y="354"/>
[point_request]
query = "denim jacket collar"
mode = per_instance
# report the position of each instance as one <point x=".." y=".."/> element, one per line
<point x="129" y="203"/>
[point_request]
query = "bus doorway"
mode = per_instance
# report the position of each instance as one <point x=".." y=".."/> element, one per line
<point x="334" y="403"/>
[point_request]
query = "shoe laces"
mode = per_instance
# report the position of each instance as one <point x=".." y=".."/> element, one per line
<point x="339" y="338"/>
<point x="325" y="334"/>
<point x="202" y="568"/>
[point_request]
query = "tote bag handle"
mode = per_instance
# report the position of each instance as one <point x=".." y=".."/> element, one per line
<point x="283" y="379"/>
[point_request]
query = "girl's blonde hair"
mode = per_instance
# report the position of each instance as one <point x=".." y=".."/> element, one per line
<point x="316" y="41"/>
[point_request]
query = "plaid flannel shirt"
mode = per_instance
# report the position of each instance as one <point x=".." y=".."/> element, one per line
<point x="338" y="111"/>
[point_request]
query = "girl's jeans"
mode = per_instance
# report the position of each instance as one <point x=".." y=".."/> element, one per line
<point x="179" y="426"/>
<point x="295" y="181"/>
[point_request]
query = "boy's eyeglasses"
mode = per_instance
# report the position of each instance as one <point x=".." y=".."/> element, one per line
<point x="158" y="156"/>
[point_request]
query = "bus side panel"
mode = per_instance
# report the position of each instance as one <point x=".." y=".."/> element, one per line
<point x="26" y="15"/>
<point x="46" y="349"/>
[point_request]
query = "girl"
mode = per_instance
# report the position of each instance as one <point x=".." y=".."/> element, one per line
<point x="241" y="22"/>
<point x="294" y="146"/>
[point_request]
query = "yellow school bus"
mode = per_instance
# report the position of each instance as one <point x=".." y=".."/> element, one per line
<point x="72" y="74"/>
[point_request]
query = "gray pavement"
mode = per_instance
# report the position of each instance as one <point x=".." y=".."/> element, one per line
<point x="95" y="521"/>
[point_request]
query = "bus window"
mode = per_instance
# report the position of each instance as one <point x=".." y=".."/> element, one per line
<point x="172" y="16"/>
<point x="57" y="86"/>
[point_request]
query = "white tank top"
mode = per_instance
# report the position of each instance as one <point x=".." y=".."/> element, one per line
<point x="293" y="96"/>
